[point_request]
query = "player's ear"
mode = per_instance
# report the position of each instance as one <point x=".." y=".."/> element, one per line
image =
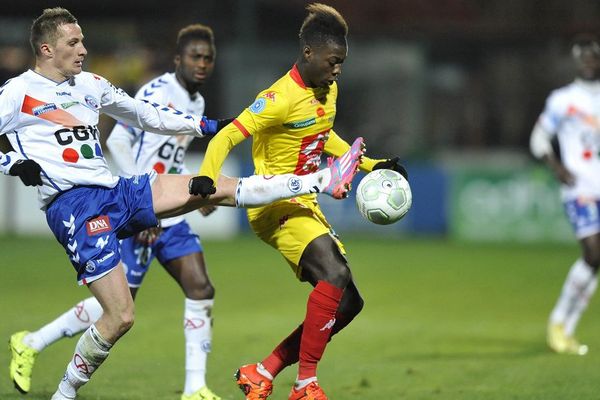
<point x="46" y="50"/>
<point x="177" y="60"/>
<point x="307" y="52"/>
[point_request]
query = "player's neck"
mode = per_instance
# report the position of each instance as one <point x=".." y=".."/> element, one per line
<point x="189" y="87"/>
<point x="50" y="72"/>
<point x="302" y="73"/>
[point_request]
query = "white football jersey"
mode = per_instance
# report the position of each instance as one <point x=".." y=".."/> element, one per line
<point x="163" y="154"/>
<point x="572" y="114"/>
<point x="55" y="124"/>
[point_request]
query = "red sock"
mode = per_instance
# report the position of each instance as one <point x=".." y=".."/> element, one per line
<point x="322" y="305"/>
<point x="285" y="354"/>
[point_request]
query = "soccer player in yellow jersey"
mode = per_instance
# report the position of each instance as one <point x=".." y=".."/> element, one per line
<point x="291" y="124"/>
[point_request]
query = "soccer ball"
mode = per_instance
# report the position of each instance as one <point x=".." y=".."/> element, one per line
<point x="383" y="196"/>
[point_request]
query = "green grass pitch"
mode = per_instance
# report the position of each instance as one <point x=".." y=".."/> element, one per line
<point x="442" y="320"/>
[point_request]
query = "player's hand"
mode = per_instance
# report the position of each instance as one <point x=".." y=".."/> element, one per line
<point x="212" y="126"/>
<point x="202" y="185"/>
<point x="222" y="123"/>
<point x="29" y="171"/>
<point x="207" y="210"/>
<point x="148" y="236"/>
<point x="393" y="164"/>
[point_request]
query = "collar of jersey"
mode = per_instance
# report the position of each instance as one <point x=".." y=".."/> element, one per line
<point x="295" y="75"/>
<point x="48" y="79"/>
<point x="592" y="86"/>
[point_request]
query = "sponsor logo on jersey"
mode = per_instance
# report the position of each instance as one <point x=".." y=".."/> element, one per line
<point x="39" y="110"/>
<point x="320" y="111"/>
<point x="63" y="93"/>
<point x="91" y="101"/>
<point x="258" y="106"/>
<point x="98" y="225"/>
<point x="300" y="124"/>
<point x="69" y="104"/>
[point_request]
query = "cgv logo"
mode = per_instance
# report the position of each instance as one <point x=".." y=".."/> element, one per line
<point x="98" y="225"/>
<point x="81" y="133"/>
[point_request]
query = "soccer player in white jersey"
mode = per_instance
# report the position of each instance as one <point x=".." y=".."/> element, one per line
<point x="572" y="116"/>
<point x="49" y="116"/>
<point x="174" y="244"/>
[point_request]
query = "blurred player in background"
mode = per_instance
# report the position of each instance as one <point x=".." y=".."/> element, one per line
<point x="177" y="248"/>
<point x="49" y="138"/>
<point x="572" y="115"/>
<point x="291" y="124"/>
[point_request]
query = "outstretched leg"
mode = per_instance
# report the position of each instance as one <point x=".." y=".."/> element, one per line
<point x="171" y="197"/>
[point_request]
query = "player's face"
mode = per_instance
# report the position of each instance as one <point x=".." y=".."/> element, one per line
<point x="588" y="64"/>
<point x="196" y="63"/>
<point x="69" y="51"/>
<point x="325" y="64"/>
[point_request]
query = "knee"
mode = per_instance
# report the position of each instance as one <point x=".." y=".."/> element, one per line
<point x="200" y="291"/>
<point x="121" y="321"/>
<point x="352" y="306"/>
<point x="339" y="275"/>
<point x="592" y="258"/>
<point x="125" y="321"/>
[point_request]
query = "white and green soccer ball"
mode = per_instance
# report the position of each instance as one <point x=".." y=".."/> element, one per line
<point x="383" y="196"/>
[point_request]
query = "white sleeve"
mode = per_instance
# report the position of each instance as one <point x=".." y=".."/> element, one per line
<point x="120" y="143"/>
<point x="9" y="109"/>
<point x="540" y="141"/>
<point x="8" y="160"/>
<point x="153" y="117"/>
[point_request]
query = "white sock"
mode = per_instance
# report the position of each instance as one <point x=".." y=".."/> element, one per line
<point x="303" y="382"/>
<point x="263" y="371"/>
<point x="259" y="190"/>
<point x="76" y="320"/>
<point x="197" y="330"/>
<point x="90" y="352"/>
<point x="578" y="279"/>
<point x="580" y="306"/>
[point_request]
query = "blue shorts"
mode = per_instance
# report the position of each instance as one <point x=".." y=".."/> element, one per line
<point x="584" y="215"/>
<point x="89" y="220"/>
<point x="174" y="242"/>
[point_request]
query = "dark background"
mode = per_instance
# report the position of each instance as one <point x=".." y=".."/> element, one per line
<point x="422" y="78"/>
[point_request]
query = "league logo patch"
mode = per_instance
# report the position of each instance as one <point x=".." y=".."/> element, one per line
<point x="90" y="266"/>
<point x="98" y="225"/>
<point x="294" y="184"/>
<point x="39" y="110"/>
<point x="258" y="106"/>
<point x="206" y="346"/>
<point x="91" y="101"/>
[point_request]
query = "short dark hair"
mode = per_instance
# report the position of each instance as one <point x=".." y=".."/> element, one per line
<point x="45" y="27"/>
<point x="322" y="24"/>
<point x="585" y="42"/>
<point x="194" y="32"/>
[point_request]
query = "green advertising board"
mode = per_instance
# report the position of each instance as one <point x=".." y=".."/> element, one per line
<point x="507" y="205"/>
